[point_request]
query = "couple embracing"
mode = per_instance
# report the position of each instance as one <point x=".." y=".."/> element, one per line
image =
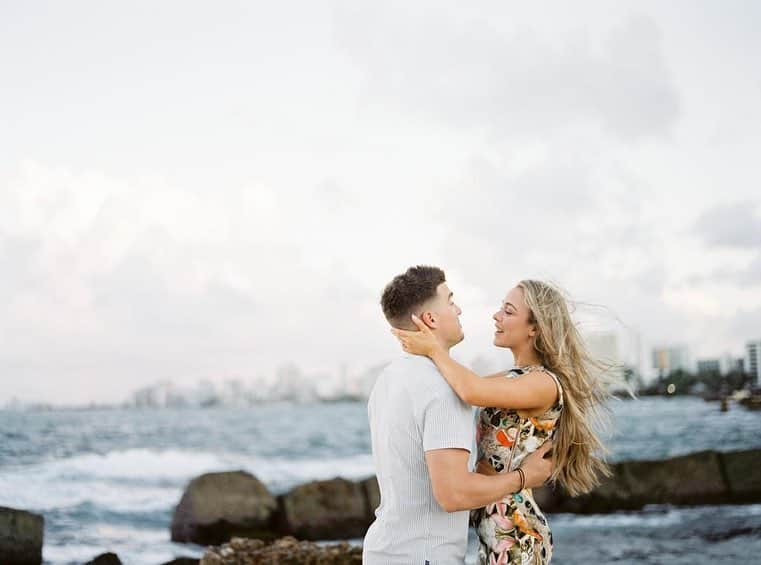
<point x="534" y="423"/>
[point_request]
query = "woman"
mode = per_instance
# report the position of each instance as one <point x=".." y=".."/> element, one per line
<point x="553" y="393"/>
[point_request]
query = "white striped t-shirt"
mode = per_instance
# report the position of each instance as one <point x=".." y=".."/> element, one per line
<point x="412" y="410"/>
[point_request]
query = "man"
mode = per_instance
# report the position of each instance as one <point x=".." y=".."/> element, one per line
<point x="422" y="434"/>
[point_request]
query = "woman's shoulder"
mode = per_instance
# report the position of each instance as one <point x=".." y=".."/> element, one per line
<point x="543" y="372"/>
<point x="559" y="400"/>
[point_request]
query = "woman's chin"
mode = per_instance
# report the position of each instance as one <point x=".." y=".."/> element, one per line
<point x="500" y="341"/>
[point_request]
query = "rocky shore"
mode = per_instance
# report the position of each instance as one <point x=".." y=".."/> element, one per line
<point x="704" y="477"/>
<point x="285" y="551"/>
<point x="235" y="511"/>
<point x="218" y="506"/>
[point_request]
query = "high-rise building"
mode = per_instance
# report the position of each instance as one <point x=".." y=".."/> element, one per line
<point x="621" y="349"/>
<point x="722" y="365"/>
<point x="753" y="360"/>
<point x="666" y="360"/>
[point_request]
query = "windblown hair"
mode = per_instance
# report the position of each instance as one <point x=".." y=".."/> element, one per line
<point x="578" y="451"/>
<point x="408" y="291"/>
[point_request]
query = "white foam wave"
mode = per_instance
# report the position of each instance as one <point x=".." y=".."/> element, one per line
<point x="140" y="480"/>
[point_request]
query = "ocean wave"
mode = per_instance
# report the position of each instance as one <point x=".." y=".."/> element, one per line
<point x="144" y="479"/>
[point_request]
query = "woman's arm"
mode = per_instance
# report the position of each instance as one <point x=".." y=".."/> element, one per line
<point x="528" y="392"/>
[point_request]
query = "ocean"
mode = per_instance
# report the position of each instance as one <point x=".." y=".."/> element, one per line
<point x="108" y="480"/>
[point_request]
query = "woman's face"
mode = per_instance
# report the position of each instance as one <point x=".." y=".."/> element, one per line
<point x="512" y="321"/>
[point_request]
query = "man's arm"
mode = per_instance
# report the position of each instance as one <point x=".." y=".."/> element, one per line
<point x="455" y="488"/>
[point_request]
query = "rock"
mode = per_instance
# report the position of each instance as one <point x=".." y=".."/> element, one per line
<point x="20" y="537"/>
<point x="547" y="498"/>
<point x="613" y="493"/>
<point x="742" y="470"/>
<point x="183" y="561"/>
<point x="335" y="509"/>
<point x="218" y="506"/>
<point x="105" y="559"/>
<point x="285" y="551"/>
<point x="372" y="495"/>
<point x="691" y="479"/>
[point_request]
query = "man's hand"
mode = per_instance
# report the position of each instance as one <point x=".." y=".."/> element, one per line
<point x="537" y="468"/>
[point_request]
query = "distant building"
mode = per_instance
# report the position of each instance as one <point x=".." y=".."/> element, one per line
<point x="722" y="365"/>
<point x="606" y="347"/>
<point x="621" y="350"/>
<point x="753" y="360"/>
<point x="666" y="360"/>
<point x="708" y="366"/>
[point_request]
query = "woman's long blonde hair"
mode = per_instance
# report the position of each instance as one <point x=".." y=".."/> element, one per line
<point x="578" y="451"/>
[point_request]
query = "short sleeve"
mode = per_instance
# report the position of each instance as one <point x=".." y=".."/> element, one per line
<point x="447" y="423"/>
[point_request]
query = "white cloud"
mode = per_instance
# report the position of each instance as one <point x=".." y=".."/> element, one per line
<point x="224" y="199"/>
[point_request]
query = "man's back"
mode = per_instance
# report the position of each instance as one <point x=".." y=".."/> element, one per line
<point x="413" y="410"/>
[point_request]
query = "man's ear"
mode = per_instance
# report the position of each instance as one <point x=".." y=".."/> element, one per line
<point x="429" y="319"/>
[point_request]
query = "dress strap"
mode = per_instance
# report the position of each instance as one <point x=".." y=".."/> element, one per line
<point x="557" y="382"/>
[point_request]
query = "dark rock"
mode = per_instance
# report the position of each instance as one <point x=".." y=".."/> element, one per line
<point x="285" y="551"/>
<point x="335" y="509"/>
<point x="612" y="494"/>
<point x="692" y="479"/>
<point x="743" y="473"/>
<point x="217" y="506"/>
<point x="372" y="495"/>
<point x="105" y="559"/>
<point x="20" y="537"/>
<point x="548" y="498"/>
<point x="183" y="561"/>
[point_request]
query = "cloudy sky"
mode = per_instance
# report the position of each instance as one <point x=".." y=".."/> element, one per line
<point x="211" y="190"/>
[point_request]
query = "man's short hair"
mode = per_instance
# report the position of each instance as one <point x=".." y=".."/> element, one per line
<point x="408" y="291"/>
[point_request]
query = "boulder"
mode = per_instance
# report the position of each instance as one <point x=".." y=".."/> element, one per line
<point x="742" y="470"/>
<point x="217" y="506"/>
<point x="20" y="537"/>
<point x="335" y="509"/>
<point x="105" y="559"/>
<point x="691" y="479"/>
<point x="183" y="561"/>
<point x="372" y="495"/>
<point x="548" y="498"/>
<point x="285" y="551"/>
<point x="613" y="493"/>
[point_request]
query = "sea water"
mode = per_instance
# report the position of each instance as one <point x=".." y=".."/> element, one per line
<point x="108" y="480"/>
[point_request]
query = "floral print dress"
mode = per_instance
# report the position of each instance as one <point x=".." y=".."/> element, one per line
<point x="514" y="530"/>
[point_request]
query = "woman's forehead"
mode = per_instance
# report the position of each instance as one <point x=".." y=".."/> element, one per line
<point x="514" y="296"/>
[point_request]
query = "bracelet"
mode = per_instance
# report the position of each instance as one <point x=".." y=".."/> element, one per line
<point x="522" y="473"/>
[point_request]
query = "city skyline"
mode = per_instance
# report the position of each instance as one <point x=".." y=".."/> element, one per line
<point x="623" y="349"/>
<point x="192" y="192"/>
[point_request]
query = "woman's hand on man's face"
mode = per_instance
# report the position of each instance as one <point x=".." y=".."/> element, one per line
<point x="420" y="342"/>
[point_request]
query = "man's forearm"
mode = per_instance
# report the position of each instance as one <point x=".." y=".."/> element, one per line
<point x="476" y="491"/>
